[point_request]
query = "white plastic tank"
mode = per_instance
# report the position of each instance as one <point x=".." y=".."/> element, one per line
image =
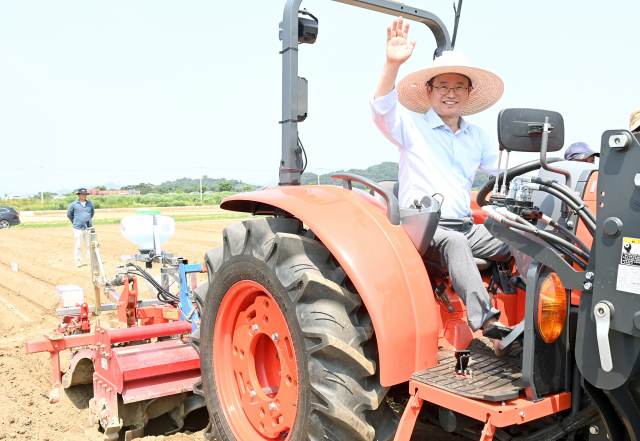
<point x="138" y="229"/>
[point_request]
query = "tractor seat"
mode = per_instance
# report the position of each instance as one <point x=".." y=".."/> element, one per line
<point x="431" y="265"/>
<point x="435" y="267"/>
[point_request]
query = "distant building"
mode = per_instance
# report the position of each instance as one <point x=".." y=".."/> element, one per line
<point x="96" y="192"/>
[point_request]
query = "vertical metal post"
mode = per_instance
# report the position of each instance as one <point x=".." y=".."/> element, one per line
<point x="503" y="189"/>
<point x="97" y="272"/>
<point x="290" y="168"/>
<point x="318" y="176"/>
<point x="41" y="188"/>
<point x="200" y="184"/>
<point x="496" y="187"/>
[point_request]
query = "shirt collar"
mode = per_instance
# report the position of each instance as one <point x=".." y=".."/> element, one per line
<point x="434" y="120"/>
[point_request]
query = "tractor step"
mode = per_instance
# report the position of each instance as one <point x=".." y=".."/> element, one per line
<point x="489" y="377"/>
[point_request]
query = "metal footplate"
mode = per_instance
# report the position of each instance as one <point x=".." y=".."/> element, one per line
<point x="489" y="378"/>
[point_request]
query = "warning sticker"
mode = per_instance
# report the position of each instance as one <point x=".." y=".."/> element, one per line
<point x="171" y="315"/>
<point x="629" y="267"/>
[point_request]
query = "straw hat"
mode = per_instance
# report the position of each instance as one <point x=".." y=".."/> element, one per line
<point x="634" y="121"/>
<point x="487" y="87"/>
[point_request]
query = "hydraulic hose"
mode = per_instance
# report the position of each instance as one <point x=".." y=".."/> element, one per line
<point x="570" y="255"/>
<point x="527" y="167"/>
<point x="580" y="209"/>
<point x="163" y="294"/>
<point x="562" y="189"/>
<point x="543" y="234"/>
<point x="526" y="227"/>
<point x="556" y="431"/>
<point x="567" y="191"/>
<point x="566" y="232"/>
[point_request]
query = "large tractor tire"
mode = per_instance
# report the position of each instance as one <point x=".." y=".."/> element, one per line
<point x="287" y="351"/>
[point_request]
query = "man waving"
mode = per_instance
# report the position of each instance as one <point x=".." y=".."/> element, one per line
<point x="440" y="153"/>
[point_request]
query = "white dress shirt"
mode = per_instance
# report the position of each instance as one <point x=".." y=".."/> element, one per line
<point x="433" y="159"/>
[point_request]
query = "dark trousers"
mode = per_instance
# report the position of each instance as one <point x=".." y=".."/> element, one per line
<point x="454" y="245"/>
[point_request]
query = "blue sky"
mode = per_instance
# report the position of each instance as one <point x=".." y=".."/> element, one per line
<point x="148" y="91"/>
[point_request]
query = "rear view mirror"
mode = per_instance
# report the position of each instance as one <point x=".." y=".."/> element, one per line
<point x="520" y="130"/>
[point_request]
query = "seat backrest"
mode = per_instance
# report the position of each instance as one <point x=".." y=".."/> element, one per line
<point x="389" y="185"/>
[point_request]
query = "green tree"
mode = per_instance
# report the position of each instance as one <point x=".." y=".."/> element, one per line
<point x="385" y="171"/>
<point x="246" y="188"/>
<point x="480" y="179"/>
<point x="225" y="186"/>
<point x="101" y="188"/>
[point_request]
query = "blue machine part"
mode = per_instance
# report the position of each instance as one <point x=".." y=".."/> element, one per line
<point x="186" y="305"/>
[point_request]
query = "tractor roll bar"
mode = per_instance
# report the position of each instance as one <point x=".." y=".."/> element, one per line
<point x="399" y="10"/>
<point x="291" y="163"/>
<point x="393" y="207"/>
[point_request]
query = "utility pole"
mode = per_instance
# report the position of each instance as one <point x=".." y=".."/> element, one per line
<point x="41" y="188"/>
<point x="200" y="184"/>
<point x="318" y="176"/>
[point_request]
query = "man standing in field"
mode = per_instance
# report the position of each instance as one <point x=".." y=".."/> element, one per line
<point x="80" y="213"/>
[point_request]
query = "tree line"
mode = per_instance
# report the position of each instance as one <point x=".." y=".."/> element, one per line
<point x="385" y="171"/>
<point x="189" y="185"/>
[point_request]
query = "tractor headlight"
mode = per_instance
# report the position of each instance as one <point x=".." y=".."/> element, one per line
<point x="552" y="308"/>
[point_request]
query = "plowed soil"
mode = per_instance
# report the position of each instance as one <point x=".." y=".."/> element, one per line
<point x="28" y="301"/>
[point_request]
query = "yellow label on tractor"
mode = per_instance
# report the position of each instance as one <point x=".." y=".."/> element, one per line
<point x="171" y="314"/>
<point x="631" y="240"/>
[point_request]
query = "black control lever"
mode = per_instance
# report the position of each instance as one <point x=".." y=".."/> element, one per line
<point x="517" y="282"/>
<point x="441" y="292"/>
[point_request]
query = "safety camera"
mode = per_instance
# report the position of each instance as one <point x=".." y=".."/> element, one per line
<point x="307" y="28"/>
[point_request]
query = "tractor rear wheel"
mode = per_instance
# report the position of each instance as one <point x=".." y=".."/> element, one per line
<point x="287" y="352"/>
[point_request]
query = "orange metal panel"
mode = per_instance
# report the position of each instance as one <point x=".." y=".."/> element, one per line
<point x="381" y="261"/>
<point x="516" y="411"/>
<point x="409" y="418"/>
<point x="590" y="195"/>
<point x="488" y="431"/>
<point x="478" y="214"/>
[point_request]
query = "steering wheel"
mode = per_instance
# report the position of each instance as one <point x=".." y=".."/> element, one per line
<point x="481" y="197"/>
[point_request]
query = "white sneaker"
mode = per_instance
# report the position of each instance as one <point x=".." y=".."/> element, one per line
<point x="78" y="264"/>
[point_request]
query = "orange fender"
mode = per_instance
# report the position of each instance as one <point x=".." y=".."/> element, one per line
<point x="380" y="260"/>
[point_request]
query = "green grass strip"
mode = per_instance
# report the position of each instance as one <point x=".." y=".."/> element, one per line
<point x="178" y="218"/>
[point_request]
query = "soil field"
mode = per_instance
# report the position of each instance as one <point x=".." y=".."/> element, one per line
<point x="27" y="311"/>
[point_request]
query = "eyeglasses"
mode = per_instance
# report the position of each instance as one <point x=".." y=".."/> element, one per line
<point x="443" y="90"/>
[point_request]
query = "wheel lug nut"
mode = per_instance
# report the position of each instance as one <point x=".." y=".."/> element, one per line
<point x="272" y="406"/>
<point x="252" y="394"/>
<point x="275" y="336"/>
<point x="255" y="329"/>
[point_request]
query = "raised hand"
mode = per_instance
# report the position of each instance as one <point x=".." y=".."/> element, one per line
<point x="399" y="49"/>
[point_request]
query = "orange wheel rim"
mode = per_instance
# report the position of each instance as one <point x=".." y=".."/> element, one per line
<point x="255" y="365"/>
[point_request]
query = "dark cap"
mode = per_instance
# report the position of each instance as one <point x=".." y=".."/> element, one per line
<point x="82" y="191"/>
<point x="579" y="150"/>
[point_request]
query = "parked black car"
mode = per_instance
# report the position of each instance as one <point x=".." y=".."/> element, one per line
<point x="8" y="217"/>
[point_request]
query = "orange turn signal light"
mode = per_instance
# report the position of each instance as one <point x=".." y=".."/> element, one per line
<point x="552" y="308"/>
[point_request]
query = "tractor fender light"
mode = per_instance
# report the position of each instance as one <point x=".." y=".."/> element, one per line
<point x="552" y="308"/>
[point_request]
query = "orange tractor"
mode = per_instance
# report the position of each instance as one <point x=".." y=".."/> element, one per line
<point x="321" y="319"/>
